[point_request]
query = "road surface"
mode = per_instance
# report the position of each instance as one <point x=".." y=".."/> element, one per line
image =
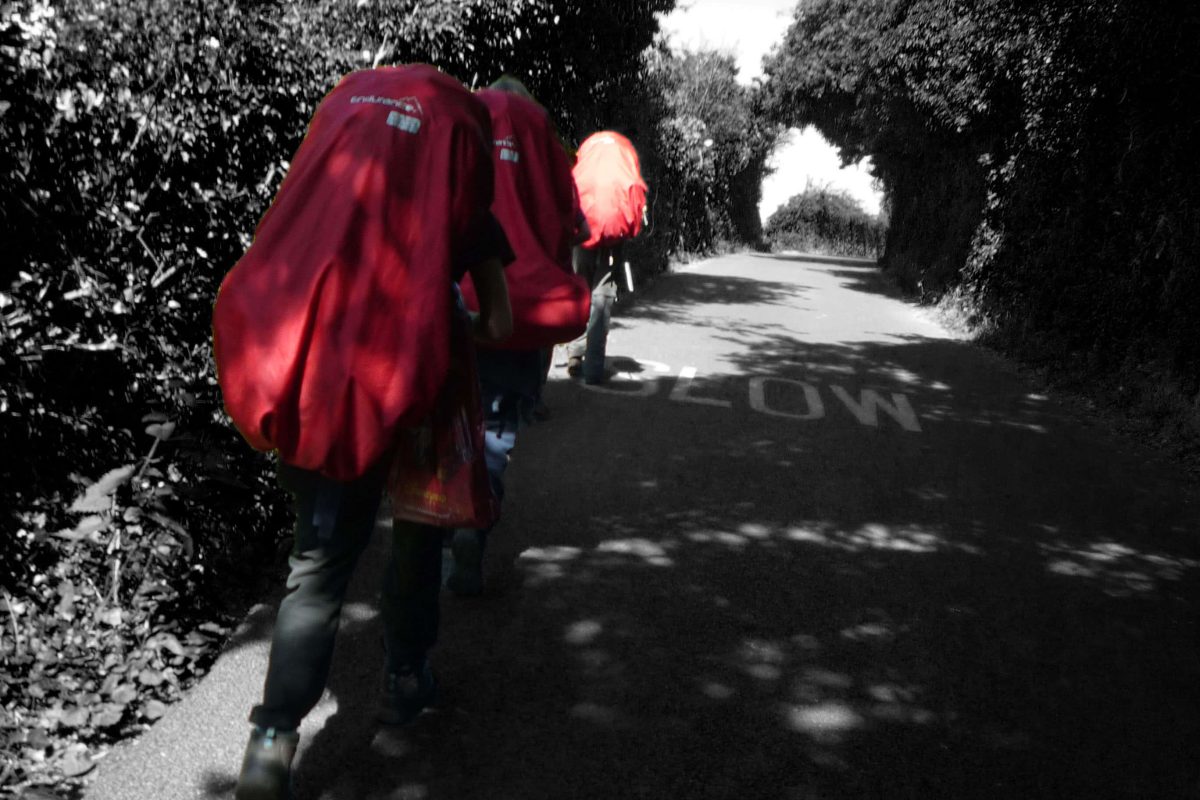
<point x="805" y="545"/>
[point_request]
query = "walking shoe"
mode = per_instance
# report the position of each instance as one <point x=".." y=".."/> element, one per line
<point x="466" y="576"/>
<point x="574" y="366"/>
<point x="267" y="765"/>
<point x="541" y="411"/>
<point x="406" y="693"/>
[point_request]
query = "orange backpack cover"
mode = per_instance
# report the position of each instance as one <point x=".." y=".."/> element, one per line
<point x="612" y="193"/>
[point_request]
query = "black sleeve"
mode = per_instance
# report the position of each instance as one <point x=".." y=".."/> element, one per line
<point x="485" y="240"/>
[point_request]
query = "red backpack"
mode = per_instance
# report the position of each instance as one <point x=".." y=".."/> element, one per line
<point x="536" y="204"/>
<point x="333" y="328"/>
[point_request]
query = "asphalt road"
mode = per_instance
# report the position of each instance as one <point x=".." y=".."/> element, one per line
<point x="805" y="545"/>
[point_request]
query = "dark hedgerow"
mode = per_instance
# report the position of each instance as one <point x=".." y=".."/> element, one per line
<point x="138" y="143"/>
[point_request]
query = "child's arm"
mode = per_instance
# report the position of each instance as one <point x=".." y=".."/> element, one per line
<point x="494" y="323"/>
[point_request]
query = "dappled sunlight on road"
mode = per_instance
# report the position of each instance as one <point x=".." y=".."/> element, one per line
<point x="862" y="639"/>
<point x="834" y="599"/>
<point x="1121" y="569"/>
<point x="874" y="536"/>
<point x="764" y="563"/>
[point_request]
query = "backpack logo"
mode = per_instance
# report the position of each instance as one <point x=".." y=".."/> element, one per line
<point x="508" y="149"/>
<point x="406" y="116"/>
<point x="404" y="122"/>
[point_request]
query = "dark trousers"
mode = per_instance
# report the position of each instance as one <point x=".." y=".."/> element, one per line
<point x="334" y="523"/>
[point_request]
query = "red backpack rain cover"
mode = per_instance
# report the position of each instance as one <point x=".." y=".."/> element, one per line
<point x="611" y="190"/>
<point x="333" y="328"/>
<point x="536" y="204"/>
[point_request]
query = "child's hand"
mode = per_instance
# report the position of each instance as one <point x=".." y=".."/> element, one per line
<point x="494" y="321"/>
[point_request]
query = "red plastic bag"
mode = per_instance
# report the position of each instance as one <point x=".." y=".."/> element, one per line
<point x="536" y="204"/>
<point x="612" y="193"/>
<point x="438" y="474"/>
<point x="332" y="330"/>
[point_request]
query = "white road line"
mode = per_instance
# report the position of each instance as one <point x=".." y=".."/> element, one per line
<point x="683" y="384"/>
<point x="865" y="408"/>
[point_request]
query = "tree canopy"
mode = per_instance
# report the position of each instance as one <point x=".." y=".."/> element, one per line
<point x="714" y="144"/>
<point x="1033" y="156"/>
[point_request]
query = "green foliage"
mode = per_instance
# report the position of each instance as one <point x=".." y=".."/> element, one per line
<point x="713" y="138"/>
<point x="103" y="634"/>
<point x="1037" y="157"/>
<point x="822" y="220"/>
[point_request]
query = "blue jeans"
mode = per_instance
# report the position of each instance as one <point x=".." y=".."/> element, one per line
<point x="334" y="522"/>
<point x="510" y="383"/>
<point x="592" y="347"/>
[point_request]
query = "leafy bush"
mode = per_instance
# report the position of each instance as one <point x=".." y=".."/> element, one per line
<point x="714" y="146"/>
<point x="127" y="176"/>
<point x="823" y="220"/>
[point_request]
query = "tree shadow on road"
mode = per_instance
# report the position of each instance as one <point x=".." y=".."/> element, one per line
<point x="861" y="275"/>
<point x="812" y="258"/>
<point x="715" y="591"/>
<point x="716" y="602"/>
<point x="994" y="607"/>
<point x="681" y="299"/>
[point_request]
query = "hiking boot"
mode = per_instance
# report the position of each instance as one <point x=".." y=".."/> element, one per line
<point x="267" y="765"/>
<point x="406" y="693"/>
<point x="466" y="576"/>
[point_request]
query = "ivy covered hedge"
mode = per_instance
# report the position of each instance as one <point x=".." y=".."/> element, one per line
<point x="128" y="181"/>
<point x="1039" y="160"/>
